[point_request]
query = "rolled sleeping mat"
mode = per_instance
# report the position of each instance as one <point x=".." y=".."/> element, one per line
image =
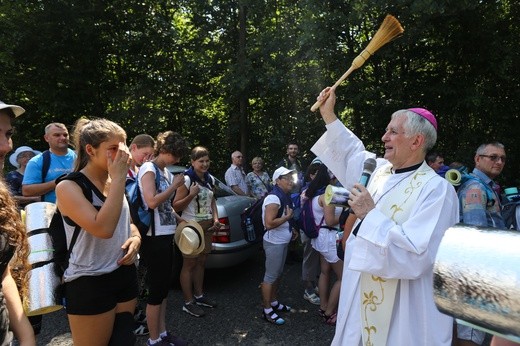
<point x="476" y="278"/>
<point x="337" y="196"/>
<point x="453" y="176"/>
<point x="43" y="281"/>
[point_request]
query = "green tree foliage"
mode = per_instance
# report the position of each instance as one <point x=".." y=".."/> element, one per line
<point x="242" y="74"/>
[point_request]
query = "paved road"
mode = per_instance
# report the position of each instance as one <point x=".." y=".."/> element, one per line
<point x="237" y="320"/>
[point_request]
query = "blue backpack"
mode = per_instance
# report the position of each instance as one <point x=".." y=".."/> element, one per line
<point x="141" y="217"/>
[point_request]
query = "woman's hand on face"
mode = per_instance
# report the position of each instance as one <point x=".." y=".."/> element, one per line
<point x="119" y="164"/>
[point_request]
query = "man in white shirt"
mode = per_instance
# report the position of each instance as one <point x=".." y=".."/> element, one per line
<point x="235" y="176"/>
<point x="387" y="289"/>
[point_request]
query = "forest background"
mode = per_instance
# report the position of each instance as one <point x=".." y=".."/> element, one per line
<point x="243" y="74"/>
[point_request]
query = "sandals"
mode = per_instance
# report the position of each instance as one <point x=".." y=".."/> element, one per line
<point x="280" y="307"/>
<point x="322" y="313"/>
<point x="273" y="318"/>
<point x="330" y="320"/>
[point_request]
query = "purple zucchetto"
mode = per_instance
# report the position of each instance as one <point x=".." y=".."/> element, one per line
<point x="426" y="114"/>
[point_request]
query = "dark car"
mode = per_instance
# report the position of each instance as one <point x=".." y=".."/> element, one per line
<point x="229" y="246"/>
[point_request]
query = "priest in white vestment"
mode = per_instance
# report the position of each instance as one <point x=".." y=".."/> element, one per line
<point x="387" y="288"/>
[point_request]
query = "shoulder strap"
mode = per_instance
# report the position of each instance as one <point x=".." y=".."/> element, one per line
<point x="157" y="184"/>
<point x="282" y="201"/>
<point x="490" y="194"/>
<point x="259" y="178"/>
<point x="46" y="155"/>
<point x="87" y="188"/>
<point x="157" y="176"/>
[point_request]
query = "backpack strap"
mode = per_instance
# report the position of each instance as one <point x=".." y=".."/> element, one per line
<point x="87" y="188"/>
<point x="157" y="184"/>
<point x="46" y="156"/>
<point x="490" y="194"/>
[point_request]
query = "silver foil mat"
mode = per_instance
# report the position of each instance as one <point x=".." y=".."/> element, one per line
<point x="477" y="278"/>
<point x="43" y="281"/>
<point x="43" y="285"/>
<point x="38" y="215"/>
<point x="41" y="248"/>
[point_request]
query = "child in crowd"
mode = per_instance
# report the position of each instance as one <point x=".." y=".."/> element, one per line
<point x="100" y="281"/>
<point x="141" y="150"/>
<point x="157" y="248"/>
<point x="196" y="200"/>
<point x="327" y="216"/>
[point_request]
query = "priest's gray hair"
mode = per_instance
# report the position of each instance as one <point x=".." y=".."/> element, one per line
<point x="416" y="124"/>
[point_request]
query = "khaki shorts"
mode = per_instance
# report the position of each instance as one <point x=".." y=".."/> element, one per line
<point x="208" y="238"/>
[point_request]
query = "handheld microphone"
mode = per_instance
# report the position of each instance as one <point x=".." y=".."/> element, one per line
<point x="369" y="166"/>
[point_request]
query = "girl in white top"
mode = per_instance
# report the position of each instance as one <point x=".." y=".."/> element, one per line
<point x="325" y="243"/>
<point x="101" y="298"/>
<point x="157" y="248"/>
<point x="196" y="200"/>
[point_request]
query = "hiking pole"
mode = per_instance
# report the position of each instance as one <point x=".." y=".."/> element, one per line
<point x="389" y="29"/>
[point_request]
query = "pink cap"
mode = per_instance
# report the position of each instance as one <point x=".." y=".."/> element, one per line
<point x="426" y="114"/>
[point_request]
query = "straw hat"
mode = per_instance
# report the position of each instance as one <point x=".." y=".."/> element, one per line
<point x="189" y="237"/>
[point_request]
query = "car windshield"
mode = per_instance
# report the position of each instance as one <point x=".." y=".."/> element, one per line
<point x="221" y="189"/>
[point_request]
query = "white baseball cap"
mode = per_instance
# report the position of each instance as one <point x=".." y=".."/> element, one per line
<point x="281" y="171"/>
<point x="17" y="110"/>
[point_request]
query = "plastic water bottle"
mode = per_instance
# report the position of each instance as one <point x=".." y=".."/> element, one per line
<point x="250" y="229"/>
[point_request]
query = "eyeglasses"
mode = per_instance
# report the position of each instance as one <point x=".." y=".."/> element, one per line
<point x="287" y="177"/>
<point x="495" y="158"/>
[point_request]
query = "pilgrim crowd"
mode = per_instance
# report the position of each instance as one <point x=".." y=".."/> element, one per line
<point x="380" y="244"/>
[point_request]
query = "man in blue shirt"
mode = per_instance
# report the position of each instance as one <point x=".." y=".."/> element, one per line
<point x="61" y="162"/>
<point x="479" y="199"/>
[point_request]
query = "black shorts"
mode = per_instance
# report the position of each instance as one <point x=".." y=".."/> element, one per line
<point x="94" y="295"/>
<point x="157" y="252"/>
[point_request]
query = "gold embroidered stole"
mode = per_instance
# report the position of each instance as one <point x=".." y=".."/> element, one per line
<point x="378" y="294"/>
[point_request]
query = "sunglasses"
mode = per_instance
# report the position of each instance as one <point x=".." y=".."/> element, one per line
<point x="495" y="158"/>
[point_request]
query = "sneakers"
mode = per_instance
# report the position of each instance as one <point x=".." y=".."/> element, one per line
<point x="175" y="340"/>
<point x="312" y="298"/>
<point x="203" y="301"/>
<point x="140" y="316"/>
<point x="141" y="329"/>
<point x="193" y="309"/>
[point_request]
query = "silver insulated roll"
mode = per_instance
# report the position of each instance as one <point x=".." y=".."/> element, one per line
<point x="43" y="281"/>
<point x="477" y="278"/>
